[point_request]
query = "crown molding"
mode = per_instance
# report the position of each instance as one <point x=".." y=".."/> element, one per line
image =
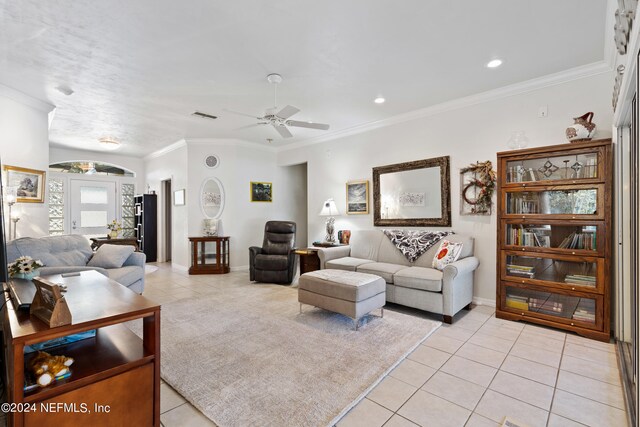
<point x="229" y="142"/>
<point x="168" y="149"/>
<point x="25" y="99"/>
<point x="491" y="95"/>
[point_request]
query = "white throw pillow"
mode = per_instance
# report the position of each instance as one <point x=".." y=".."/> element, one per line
<point x="447" y="253"/>
<point x="111" y="256"/>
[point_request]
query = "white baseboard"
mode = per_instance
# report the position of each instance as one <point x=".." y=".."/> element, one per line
<point x="484" y="301"/>
<point x="241" y="268"/>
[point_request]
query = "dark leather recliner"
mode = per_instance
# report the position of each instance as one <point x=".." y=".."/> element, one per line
<point x="275" y="261"/>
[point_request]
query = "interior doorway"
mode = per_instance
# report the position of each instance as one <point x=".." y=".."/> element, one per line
<point x="166" y="215"/>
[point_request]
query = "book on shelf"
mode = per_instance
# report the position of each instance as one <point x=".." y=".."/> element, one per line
<point x="585" y="311"/>
<point x="517" y="302"/>
<point x="585" y="240"/>
<point x="521" y="270"/>
<point x="578" y="279"/>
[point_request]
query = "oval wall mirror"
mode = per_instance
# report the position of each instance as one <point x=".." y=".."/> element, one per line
<point x="212" y="198"/>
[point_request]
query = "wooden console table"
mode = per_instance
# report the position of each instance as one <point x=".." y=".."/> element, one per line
<point x="210" y="255"/>
<point x="99" y="241"/>
<point x="115" y="370"/>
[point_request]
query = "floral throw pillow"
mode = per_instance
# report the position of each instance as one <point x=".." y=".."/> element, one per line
<point x="447" y="253"/>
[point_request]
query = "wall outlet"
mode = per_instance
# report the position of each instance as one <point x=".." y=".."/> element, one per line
<point x="543" y="112"/>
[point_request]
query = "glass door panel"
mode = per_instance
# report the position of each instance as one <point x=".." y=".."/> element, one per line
<point x="572" y="202"/>
<point x="571" y="309"/>
<point x="562" y="273"/>
<point x="569" y="238"/>
<point x="569" y="167"/>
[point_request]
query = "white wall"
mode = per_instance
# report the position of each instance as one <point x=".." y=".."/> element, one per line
<point x="134" y="164"/>
<point x="242" y="220"/>
<point x="468" y="134"/>
<point x="172" y="165"/>
<point x="24" y="142"/>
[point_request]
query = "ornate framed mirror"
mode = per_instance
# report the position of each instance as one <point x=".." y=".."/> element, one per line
<point x="413" y="194"/>
<point x="212" y="198"/>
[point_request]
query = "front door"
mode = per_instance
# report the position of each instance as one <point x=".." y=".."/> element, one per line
<point x="93" y="206"/>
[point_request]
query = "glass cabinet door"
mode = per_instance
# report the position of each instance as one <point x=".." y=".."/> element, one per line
<point x="562" y="202"/>
<point x="570" y="309"/>
<point x="563" y="272"/>
<point x="573" y="167"/>
<point x="554" y="236"/>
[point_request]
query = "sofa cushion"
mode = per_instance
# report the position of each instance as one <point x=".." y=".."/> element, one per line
<point x="447" y="253"/>
<point x="382" y="269"/>
<point x="426" y="260"/>
<point x="272" y="262"/>
<point x="344" y="285"/>
<point x="53" y="251"/>
<point x="110" y="256"/>
<point x="426" y="279"/>
<point x="365" y="244"/>
<point x="346" y="263"/>
<point x="126" y="275"/>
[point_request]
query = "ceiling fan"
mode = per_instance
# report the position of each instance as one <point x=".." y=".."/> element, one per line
<point x="280" y="119"/>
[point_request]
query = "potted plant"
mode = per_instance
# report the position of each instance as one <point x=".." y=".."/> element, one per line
<point x="114" y="228"/>
<point x="24" y="267"/>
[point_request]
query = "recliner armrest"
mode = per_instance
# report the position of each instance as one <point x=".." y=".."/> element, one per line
<point x="327" y="254"/>
<point x="253" y="251"/>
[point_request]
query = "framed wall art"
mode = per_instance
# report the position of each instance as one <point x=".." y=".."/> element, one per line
<point x="357" y="197"/>
<point x="261" y="191"/>
<point x="29" y="183"/>
<point x="179" y="198"/>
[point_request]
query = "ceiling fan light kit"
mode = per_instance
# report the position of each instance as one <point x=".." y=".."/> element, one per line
<point x="109" y="143"/>
<point x="279" y="120"/>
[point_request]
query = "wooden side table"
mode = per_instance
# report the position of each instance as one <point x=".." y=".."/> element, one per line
<point x="309" y="260"/>
<point x="209" y="255"/>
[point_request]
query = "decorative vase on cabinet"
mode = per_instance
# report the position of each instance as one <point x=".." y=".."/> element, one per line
<point x="554" y="242"/>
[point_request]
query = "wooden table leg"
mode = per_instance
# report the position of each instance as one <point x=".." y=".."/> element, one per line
<point x="151" y="338"/>
<point x="16" y="419"/>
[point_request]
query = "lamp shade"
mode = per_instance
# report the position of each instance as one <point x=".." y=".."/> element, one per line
<point x="329" y="208"/>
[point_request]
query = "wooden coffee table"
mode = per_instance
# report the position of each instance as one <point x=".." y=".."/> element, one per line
<point x="115" y="370"/>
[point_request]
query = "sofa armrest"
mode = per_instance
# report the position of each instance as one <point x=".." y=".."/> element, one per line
<point x="457" y="284"/>
<point x="136" y="258"/>
<point x="50" y="271"/>
<point x="327" y="254"/>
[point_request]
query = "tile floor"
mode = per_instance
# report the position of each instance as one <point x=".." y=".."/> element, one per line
<point x="471" y="373"/>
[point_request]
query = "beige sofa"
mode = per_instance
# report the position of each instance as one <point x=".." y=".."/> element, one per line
<point x="411" y="284"/>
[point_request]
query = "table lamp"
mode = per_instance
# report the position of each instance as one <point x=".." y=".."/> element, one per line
<point x="330" y="210"/>
<point x="10" y="198"/>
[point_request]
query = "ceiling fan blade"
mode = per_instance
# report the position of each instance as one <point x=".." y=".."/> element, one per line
<point x="310" y="125"/>
<point x="287" y="112"/>
<point x="250" y="126"/>
<point x="283" y="131"/>
<point x="241" y="114"/>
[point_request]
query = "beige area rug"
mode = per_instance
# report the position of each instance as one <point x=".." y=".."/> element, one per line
<point x="245" y="356"/>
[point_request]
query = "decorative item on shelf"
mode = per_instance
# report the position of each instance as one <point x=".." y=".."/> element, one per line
<point x="330" y="210"/>
<point x="344" y="236"/>
<point x="583" y="128"/>
<point x="548" y="169"/>
<point x="49" y="304"/>
<point x="518" y="140"/>
<point x="210" y="227"/>
<point x="29" y="184"/>
<point x="261" y="191"/>
<point x="616" y="86"/>
<point x="46" y="368"/>
<point x="624" y="16"/>
<point x="358" y="197"/>
<point x="478" y="181"/>
<point x="114" y="228"/>
<point x="24" y="267"/>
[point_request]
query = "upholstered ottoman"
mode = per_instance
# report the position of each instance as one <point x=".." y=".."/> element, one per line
<point x="345" y="292"/>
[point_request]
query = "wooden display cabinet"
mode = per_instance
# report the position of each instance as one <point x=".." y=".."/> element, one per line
<point x="554" y="236"/>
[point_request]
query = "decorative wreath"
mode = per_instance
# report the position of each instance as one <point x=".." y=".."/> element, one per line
<point x="485" y="180"/>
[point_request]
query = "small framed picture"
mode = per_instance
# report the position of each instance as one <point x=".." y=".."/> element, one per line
<point x="358" y="197"/>
<point x="179" y="198"/>
<point x="261" y="191"/>
<point x="29" y="184"/>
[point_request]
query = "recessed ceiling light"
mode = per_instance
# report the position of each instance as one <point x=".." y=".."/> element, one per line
<point x="495" y="63"/>
<point x="109" y="142"/>
<point x="65" y="90"/>
<point x="379" y="100"/>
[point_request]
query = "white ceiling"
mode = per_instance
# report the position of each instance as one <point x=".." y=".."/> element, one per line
<point x="139" y="68"/>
